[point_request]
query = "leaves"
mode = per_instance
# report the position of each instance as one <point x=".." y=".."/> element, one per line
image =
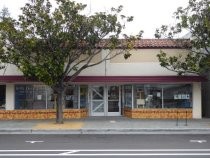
<point x="196" y="19"/>
<point x="180" y="64"/>
<point x="49" y="43"/>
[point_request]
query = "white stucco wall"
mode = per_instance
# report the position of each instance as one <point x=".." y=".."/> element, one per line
<point x="10" y="71"/>
<point x="130" y="67"/>
<point x="113" y="69"/>
<point x="197" y="106"/>
<point x="143" y="62"/>
<point x="10" y="96"/>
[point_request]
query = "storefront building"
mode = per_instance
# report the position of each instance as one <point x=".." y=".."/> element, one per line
<point x="137" y="88"/>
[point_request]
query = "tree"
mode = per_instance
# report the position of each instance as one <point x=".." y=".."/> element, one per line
<point x="195" y="18"/>
<point x="54" y="46"/>
<point x="4" y="14"/>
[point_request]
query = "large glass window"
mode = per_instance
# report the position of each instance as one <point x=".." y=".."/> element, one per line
<point x="2" y="96"/>
<point x="50" y="98"/>
<point x="153" y="96"/>
<point x="158" y="96"/>
<point x="83" y="96"/>
<point x="147" y="96"/>
<point x="72" y="97"/>
<point x="177" y="96"/>
<point x="39" y="101"/>
<point x="24" y="97"/>
<point x="33" y="97"/>
<point x="139" y="96"/>
<point x="41" y="97"/>
<point x="128" y="96"/>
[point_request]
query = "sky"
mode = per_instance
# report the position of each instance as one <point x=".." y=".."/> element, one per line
<point x="148" y="14"/>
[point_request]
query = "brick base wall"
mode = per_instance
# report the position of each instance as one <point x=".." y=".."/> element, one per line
<point x="158" y="113"/>
<point x="83" y="113"/>
<point x="41" y="114"/>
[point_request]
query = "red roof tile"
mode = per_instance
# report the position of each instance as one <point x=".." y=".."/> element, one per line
<point x="155" y="43"/>
<point x="161" y="43"/>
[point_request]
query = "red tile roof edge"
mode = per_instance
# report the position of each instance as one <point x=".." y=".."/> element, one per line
<point x="156" y="43"/>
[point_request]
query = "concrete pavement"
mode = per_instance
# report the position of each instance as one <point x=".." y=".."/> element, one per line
<point x="106" y="125"/>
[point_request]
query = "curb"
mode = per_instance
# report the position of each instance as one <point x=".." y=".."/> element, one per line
<point x="109" y="131"/>
<point x="15" y="131"/>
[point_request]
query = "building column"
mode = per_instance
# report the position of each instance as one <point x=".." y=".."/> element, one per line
<point x="10" y="97"/>
<point x="197" y="106"/>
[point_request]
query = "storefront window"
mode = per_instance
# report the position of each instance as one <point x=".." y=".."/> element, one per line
<point x="83" y="96"/>
<point x="24" y="97"/>
<point x="72" y="97"/>
<point x="177" y="96"/>
<point x="32" y="97"/>
<point x="162" y="96"/>
<point x="128" y="96"/>
<point x="139" y="96"/>
<point x="153" y="96"/>
<point x="50" y="98"/>
<point x="39" y="97"/>
<point x="2" y="96"/>
<point x="147" y="96"/>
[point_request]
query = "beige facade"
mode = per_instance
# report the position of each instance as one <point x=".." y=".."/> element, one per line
<point x="135" y="65"/>
<point x="143" y="62"/>
<point x="197" y="104"/>
<point x="147" y="55"/>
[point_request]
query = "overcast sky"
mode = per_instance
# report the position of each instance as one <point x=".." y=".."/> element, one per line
<point x="148" y="14"/>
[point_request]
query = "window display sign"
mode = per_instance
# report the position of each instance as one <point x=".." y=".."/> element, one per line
<point x="181" y="96"/>
<point x="158" y="94"/>
<point x="39" y="97"/>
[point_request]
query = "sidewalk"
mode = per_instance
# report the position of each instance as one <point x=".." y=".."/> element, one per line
<point x="106" y="125"/>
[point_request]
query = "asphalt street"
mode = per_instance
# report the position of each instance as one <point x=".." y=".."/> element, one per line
<point x="88" y="146"/>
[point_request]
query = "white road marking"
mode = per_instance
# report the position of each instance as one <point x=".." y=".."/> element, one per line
<point x="108" y="152"/>
<point x="198" y="141"/>
<point x="69" y="152"/>
<point x="130" y="150"/>
<point x="112" y="154"/>
<point x="34" y="141"/>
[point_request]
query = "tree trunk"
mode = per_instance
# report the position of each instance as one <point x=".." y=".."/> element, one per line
<point x="59" y="106"/>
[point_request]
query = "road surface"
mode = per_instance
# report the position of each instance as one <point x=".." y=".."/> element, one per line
<point x="105" y="146"/>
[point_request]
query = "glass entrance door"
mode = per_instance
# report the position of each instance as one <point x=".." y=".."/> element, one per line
<point x="97" y="101"/>
<point x="105" y="100"/>
<point x="113" y="95"/>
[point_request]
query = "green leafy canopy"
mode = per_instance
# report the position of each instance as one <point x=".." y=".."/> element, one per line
<point x="48" y="43"/>
<point x="195" y="18"/>
<point x="55" y="44"/>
